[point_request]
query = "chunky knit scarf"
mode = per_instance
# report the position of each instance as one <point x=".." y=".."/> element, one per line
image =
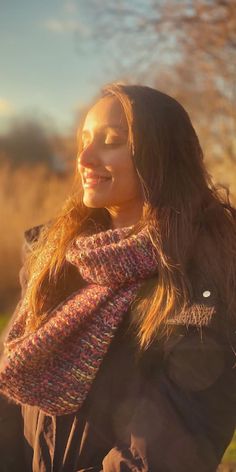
<point x="54" y="367"/>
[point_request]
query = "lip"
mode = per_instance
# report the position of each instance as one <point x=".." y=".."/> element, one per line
<point x="88" y="175"/>
<point x="93" y="181"/>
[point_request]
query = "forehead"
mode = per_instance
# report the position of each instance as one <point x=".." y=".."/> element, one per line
<point x="107" y="112"/>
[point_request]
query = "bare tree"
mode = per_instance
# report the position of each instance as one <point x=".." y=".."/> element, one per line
<point x="187" y="47"/>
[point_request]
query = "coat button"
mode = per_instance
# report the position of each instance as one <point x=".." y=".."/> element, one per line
<point x="206" y="293"/>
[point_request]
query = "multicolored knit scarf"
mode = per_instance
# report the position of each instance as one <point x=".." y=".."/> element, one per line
<point x="54" y="367"/>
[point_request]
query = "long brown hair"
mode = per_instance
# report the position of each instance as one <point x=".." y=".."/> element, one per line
<point x="190" y="222"/>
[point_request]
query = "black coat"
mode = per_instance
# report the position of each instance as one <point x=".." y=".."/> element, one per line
<point x="171" y="409"/>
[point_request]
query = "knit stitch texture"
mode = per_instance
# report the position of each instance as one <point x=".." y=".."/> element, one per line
<point x="53" y="367"/>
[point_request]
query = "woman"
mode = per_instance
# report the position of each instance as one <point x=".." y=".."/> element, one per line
<point x="121" y="355"/>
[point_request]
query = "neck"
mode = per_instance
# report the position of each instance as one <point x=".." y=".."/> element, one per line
<point x="126" y="215"/>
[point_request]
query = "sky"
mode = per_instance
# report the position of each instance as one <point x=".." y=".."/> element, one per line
<point x="43" y="71"/>
<point x="54" y="62"/>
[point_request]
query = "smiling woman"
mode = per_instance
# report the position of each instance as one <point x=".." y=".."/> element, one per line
<point x="121" y="352"/>
<point x="105" y="164"/>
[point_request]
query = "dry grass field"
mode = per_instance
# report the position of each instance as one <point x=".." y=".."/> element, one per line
<point x="28" y="196"/>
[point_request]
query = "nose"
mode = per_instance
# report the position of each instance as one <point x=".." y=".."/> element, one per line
<point x="87" y="157"/>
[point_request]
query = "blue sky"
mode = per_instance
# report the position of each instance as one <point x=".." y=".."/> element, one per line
<point x="42" y="71"/>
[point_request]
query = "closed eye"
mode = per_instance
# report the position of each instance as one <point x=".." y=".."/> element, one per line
<point x="103" y="143"/>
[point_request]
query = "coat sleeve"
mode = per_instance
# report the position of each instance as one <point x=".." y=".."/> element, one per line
<point x="11" y="438"/>
<point x="185" y="416"/>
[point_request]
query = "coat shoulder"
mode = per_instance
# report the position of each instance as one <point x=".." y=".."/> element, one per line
<point x="32" y="234"/>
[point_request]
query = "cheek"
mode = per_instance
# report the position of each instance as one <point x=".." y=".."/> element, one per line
<point x="126" y="180"/>
<point x="130" y="179"/>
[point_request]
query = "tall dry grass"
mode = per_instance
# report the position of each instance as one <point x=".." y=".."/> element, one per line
<point x="28" y="196"/>
<point x="223" y="172"/>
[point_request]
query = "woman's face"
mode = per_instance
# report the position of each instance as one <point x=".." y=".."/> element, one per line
<point x="105" y="165"/>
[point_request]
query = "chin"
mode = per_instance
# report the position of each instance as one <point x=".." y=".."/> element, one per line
<point x="93" y="203"/>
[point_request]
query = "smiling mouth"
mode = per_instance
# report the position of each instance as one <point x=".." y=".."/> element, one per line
<point x="93" y="181"/>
